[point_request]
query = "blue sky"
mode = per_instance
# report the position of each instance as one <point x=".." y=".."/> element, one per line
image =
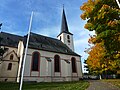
<point x="15" y="15"/>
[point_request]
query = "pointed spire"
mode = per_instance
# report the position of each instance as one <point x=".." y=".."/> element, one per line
<point x="64" y="26"/>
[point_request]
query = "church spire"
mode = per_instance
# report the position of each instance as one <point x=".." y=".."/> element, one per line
<point x="65" y="36"/>
<point x="64" y="26"/>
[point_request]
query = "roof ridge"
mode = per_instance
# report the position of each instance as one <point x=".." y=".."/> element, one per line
<point x="11" y="34"/>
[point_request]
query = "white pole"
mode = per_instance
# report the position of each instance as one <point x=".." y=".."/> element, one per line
<point x="23" y="65"/>
<point x="118" y="3"/>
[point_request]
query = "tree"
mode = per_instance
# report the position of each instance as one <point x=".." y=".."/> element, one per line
<point x="103" y="16"/>
<point x="97" y="63"/>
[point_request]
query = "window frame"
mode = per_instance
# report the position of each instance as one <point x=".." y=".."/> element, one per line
<point x="11" y="57"/>
<point x="57" y="68"/>
<point x="68" y="37"/>
<point x="33" y="61"/>
<point x="9" y="66"/>
<point x="74" y="65"/>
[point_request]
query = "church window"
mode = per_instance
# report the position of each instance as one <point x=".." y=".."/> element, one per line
<point x="73" y="65"/>
<point x="9" y="66"/>
<point x="11" y="57"/>
<point x="69" y="41"/>
<point x="68" y="37"/>
<point x="60" y="37"/>
<point x="57" y="63"/>
<point x="35" y="61"/>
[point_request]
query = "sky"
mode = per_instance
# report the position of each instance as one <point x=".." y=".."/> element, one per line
<point x="15" y="16"/>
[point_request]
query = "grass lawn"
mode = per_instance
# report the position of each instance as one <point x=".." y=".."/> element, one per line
<point x="80" y="85"/>
<point x="115" y="82"/>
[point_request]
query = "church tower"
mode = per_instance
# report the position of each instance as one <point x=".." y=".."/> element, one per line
<point x="65" y="36"/>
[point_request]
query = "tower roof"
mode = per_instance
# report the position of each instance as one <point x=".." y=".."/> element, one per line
<point x="64" y="26"/>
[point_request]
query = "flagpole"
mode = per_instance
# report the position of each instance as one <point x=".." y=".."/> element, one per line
<point x="118" y="3"/>
<point x="26" y="49"/>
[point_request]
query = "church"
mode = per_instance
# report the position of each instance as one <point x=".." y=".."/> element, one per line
<point x="48" y="59"/>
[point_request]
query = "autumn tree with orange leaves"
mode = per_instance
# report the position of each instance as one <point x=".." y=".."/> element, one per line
<point x="97" y="63"/>
<point x="103" y="16"/>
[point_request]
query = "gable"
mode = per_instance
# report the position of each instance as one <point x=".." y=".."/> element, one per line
<point x="10" y="55"/>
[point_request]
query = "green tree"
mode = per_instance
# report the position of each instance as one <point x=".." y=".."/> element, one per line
<point x="103" y="16"/>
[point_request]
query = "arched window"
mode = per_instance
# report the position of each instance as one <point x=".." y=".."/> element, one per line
<point x="57" y="63"/>
<point x="11" y="57"/>
<point x="35" y="61"/>
<point x="73" y="60"/>
<point x="9" y="66"/>
<point x="68" y="37"/>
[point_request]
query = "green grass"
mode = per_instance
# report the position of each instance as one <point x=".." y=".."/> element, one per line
<point x="80" y="85"/>
<point x="115" y="82"/>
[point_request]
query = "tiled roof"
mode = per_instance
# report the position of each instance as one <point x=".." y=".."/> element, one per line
<point x="37" y="42"/>
<point x="8" y="39"/>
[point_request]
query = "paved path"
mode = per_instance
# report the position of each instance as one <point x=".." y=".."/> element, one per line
<point x="99" y="85"/>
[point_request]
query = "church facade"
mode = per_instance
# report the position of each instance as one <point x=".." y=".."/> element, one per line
<point x="48" y="59"/>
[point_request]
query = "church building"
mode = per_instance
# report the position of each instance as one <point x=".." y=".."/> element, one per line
<point x="48" y="59"/>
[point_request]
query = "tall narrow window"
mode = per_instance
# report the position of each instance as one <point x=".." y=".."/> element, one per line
<point x="73" y="65"/>
<point x="60" y="37"/>
<point x="68" y="37"/>
<point x="35" y="61"/>
<point x="11" y="57"/>
<point x="9" y="66"/>
<point x="57" y="63"/>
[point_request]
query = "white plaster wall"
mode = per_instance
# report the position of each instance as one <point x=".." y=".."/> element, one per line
<point x="79" y="69"/>
<point x="43" y="66"/>
<point x="8" y="74"/>
<point x="27" y="65"/>
<point x="64" y="71"/>
<point x="65" y="40"/>
<point x="47" y="72"/>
